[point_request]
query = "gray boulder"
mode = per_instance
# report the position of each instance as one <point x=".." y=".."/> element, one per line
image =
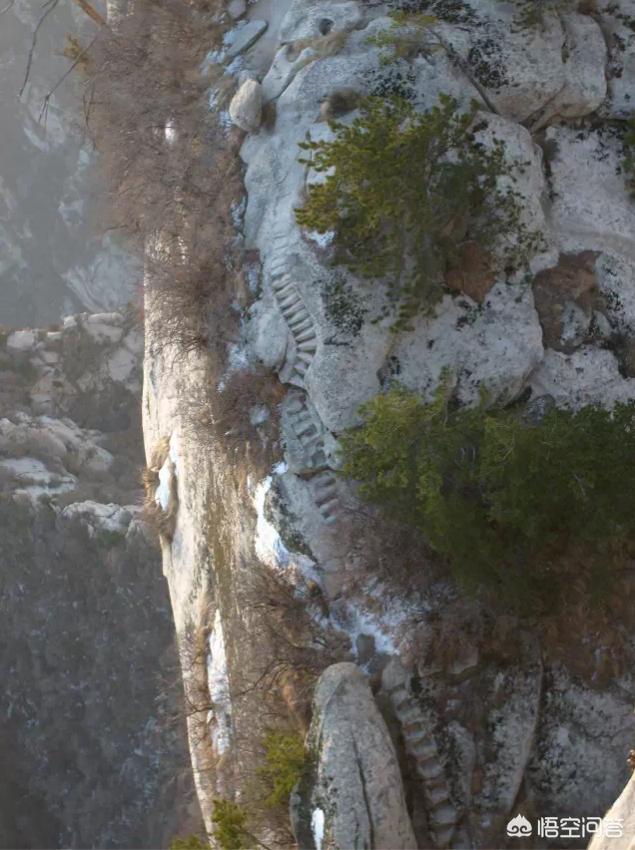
<point x="245" y="109"/>
<point x="354" y="797"/>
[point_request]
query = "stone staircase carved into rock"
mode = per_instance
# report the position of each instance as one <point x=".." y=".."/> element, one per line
<point x="306" y="430"/>
<point x="293" y="308"/>
<point x="421" y="747"/>
<point x="324" y="485"/>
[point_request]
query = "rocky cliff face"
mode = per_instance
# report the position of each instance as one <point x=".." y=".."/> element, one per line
<point x="92" y="726"/>
<point x="487" y="717"/>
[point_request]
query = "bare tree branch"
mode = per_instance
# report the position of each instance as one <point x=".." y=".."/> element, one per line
<point x="9" y="5"/>
<point x="91" y="12"/>
<point x="48" y="7"/>
<point x="67" y="73"/>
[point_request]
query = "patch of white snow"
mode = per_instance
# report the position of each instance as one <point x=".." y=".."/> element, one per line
<point x="259" y="414"/>
<point x="169" y="469"/>
<point x="218" y="687"/>
<point x="323" y="240"/>
<point x="170" y="131"/>
<point x="269" y="546"/>
<point x="162" y="493"/>
<point x="317" y="827"/>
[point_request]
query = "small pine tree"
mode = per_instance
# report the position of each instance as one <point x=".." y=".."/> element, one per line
<point x="285" y="761"/>
<point x="404" y="192"/>
<point x="189" y="842"/>
<point x="230" y="829"/>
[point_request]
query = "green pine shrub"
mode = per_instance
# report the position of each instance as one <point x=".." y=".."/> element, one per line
<point x="404" y="191"/>
<point x="522" y="509"/>
<point x="284" y="763"/>
<point x="230" y="825"/>
<point x="189" y="842"/>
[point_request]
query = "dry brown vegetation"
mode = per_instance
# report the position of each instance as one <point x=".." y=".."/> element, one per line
<point x="172" y="171"/>
<point x="226" y="416"/>
<point x="300" y="648"/>
<point x="174" y="176"/>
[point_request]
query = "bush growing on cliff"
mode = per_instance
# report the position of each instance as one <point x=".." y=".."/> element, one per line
<point x="230" y="830"/>
<point x="189" y="842"/>
<point x="285" y="761"/>
<point x="404" y="192"/>
<point x="512" y="505"/>
<point x="172" y="170"/>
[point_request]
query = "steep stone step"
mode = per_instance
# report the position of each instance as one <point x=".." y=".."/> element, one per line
<point x="290" y="304"/>
<point x="323" y="478"/>
<point x="412" y="725"/>
<point x="309" y="347"/>
<point x="330" y="514"/>
<point x="306" y="336"/>
<point x="444" y="816"/>
<point x="422" y="748"/>
<point x="430" y="769"/>
<point x="294" y="314"/>
<point x="300" y="321"/>
<point x="307" y="438"/>
<point x="327" y="501"/>
<point x="326" y="496"/>
<point x="326" y="488"/>
<point x="437" y="796"/>
<point x="409" y="717"/>
<point x="282" y="285"/>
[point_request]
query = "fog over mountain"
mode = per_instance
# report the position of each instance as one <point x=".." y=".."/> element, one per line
<point x="53" y="256"/>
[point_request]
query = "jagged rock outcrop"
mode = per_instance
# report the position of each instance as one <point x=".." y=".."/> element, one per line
<point x="354" y="797"/>
<point x="86" y="634"/>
